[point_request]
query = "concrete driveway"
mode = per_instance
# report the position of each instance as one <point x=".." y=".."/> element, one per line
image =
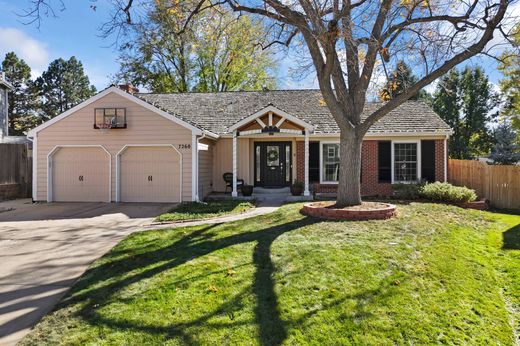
<point x="44" y="248"/>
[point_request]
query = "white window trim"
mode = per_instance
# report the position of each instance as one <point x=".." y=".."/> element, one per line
<point x="418" y="174"/>
<point x="321" y="162"/>
<point x="418" y="142"/>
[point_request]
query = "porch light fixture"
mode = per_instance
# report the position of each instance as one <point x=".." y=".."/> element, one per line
<point x="270" y="130"/>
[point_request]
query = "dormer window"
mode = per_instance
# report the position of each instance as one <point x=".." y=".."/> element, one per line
<point x="113" y="118"/>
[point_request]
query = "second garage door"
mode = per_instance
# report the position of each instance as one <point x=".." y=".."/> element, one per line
<point x="150" y="174"/>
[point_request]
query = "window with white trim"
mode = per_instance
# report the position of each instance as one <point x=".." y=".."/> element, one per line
<point x="405" y="162"/>
<point x="330" y="162"/>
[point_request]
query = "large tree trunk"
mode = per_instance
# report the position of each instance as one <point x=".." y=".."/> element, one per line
<point x="349" y="185"/>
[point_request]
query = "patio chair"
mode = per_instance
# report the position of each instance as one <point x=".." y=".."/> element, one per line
<point x="228" y="179"/>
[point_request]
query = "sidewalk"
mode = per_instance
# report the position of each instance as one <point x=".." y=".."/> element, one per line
<point x="264" y="207"/>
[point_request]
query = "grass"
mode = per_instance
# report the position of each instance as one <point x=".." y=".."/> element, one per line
<point x="198" y="211"/>
<point x="436" y="274"/>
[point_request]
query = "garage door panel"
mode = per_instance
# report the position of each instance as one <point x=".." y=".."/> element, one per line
<point x="150" y="174"/>
<point x="80" y="175"/>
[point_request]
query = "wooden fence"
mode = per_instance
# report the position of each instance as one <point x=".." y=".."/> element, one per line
<point x="15" y="171"/>
<point x="499" y="184"/>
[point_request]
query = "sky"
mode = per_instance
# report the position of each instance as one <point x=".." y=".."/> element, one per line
<point x="75" y="32"/>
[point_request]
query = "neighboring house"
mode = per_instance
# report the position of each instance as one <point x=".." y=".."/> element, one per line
<point x="176" y="147"/>
<point x="5" y="88"/>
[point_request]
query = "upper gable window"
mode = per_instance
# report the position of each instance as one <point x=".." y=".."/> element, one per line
<point x="114" y="118"/>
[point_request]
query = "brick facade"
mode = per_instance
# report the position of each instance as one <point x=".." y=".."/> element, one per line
<point x="370" y="185"/>
<point x="300" y="161"/>
<point x="439" y="160"/>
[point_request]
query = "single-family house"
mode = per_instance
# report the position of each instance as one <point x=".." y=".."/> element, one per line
<point x="125" y="146"/>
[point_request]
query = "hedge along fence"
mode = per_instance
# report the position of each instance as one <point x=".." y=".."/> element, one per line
<point x="500" y="184"/>
<point x="15" y="171"/>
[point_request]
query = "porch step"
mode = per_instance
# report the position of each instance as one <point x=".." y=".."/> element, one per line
<point x="275" y="191"/>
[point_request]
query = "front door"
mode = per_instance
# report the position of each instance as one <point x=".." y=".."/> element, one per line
<point x="272" y="164"/>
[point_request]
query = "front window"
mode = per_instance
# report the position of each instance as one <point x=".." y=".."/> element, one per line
<point x="330" y="154"/>
<point x="405" y="162"/>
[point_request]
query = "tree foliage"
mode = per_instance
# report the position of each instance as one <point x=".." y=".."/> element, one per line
<point x="399" y="81"/>
<point x="506" y="150"/>
<point x="479" y="102"/>
<point x="217" y="51"/>
<point x="466" y="101"/>
<point x="510" y="84"/>
<point x="62" y="86"/>
<point x="23" y="99"/>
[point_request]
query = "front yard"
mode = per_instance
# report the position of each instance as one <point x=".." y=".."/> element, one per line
<point x="435" y="274"/>
<point x="198" y="211"/>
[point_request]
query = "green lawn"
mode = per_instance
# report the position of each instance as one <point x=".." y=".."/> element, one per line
<point x="434" y="275"/>
<point x="198" y="211"/>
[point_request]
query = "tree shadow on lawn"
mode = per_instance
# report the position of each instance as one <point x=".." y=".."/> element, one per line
<point x="198" y="243"/>
<point x="511" y="238"/>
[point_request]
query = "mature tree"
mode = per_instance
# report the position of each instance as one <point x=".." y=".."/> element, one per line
<point x="466" y="101"/>
<point x="447" y="103"/>
<point x="62" y="86"/>
<point x="216" y="52"/>
<point x="398" y="81"/>
<point x="479" y="102"/>
<point x="506" y="150"/>
<point x="344" y="39"/>
<point x="22" y="100"/>
<point x="510" y="84"/>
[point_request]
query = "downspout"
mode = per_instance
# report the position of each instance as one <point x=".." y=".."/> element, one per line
<point x="446" y="158"/>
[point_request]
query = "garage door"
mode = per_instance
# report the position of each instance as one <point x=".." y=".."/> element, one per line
<point x="150" y="174"/>
<point x="80" y="175"/>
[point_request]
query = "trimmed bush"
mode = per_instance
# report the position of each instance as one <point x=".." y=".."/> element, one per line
<point x="407" y="191"/>
<point x="445" y="192"/>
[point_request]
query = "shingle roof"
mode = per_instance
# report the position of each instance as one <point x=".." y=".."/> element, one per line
<point x="216" y="112"/>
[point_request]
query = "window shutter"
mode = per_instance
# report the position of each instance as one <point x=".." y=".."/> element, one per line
<point x="428" y="160"/>
<point x="384" y="161"/>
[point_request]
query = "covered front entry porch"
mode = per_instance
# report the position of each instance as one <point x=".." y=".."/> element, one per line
<point x="270" y="135"/>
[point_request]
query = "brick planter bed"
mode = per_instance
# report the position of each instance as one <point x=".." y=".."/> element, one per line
<point x="478" y="205"/>
<point x="367" y="211"/>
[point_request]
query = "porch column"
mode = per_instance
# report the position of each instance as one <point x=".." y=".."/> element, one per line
<point x="306" y="191"/>
<point x="234" y="193"/>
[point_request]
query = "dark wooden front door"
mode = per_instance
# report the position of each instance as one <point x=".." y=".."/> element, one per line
<point x="272" y="164"/>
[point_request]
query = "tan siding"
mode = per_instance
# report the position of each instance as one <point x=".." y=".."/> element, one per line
<point x="144" y="127"/>
<point x="206" y="169"/>
<point x="223" y="161"/>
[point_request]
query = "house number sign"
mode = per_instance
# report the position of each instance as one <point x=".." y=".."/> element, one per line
<point x="184" y="146"/>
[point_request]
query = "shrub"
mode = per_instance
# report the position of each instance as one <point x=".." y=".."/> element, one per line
<point x="407" y="191"/>
<point x="445" y="192"/>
